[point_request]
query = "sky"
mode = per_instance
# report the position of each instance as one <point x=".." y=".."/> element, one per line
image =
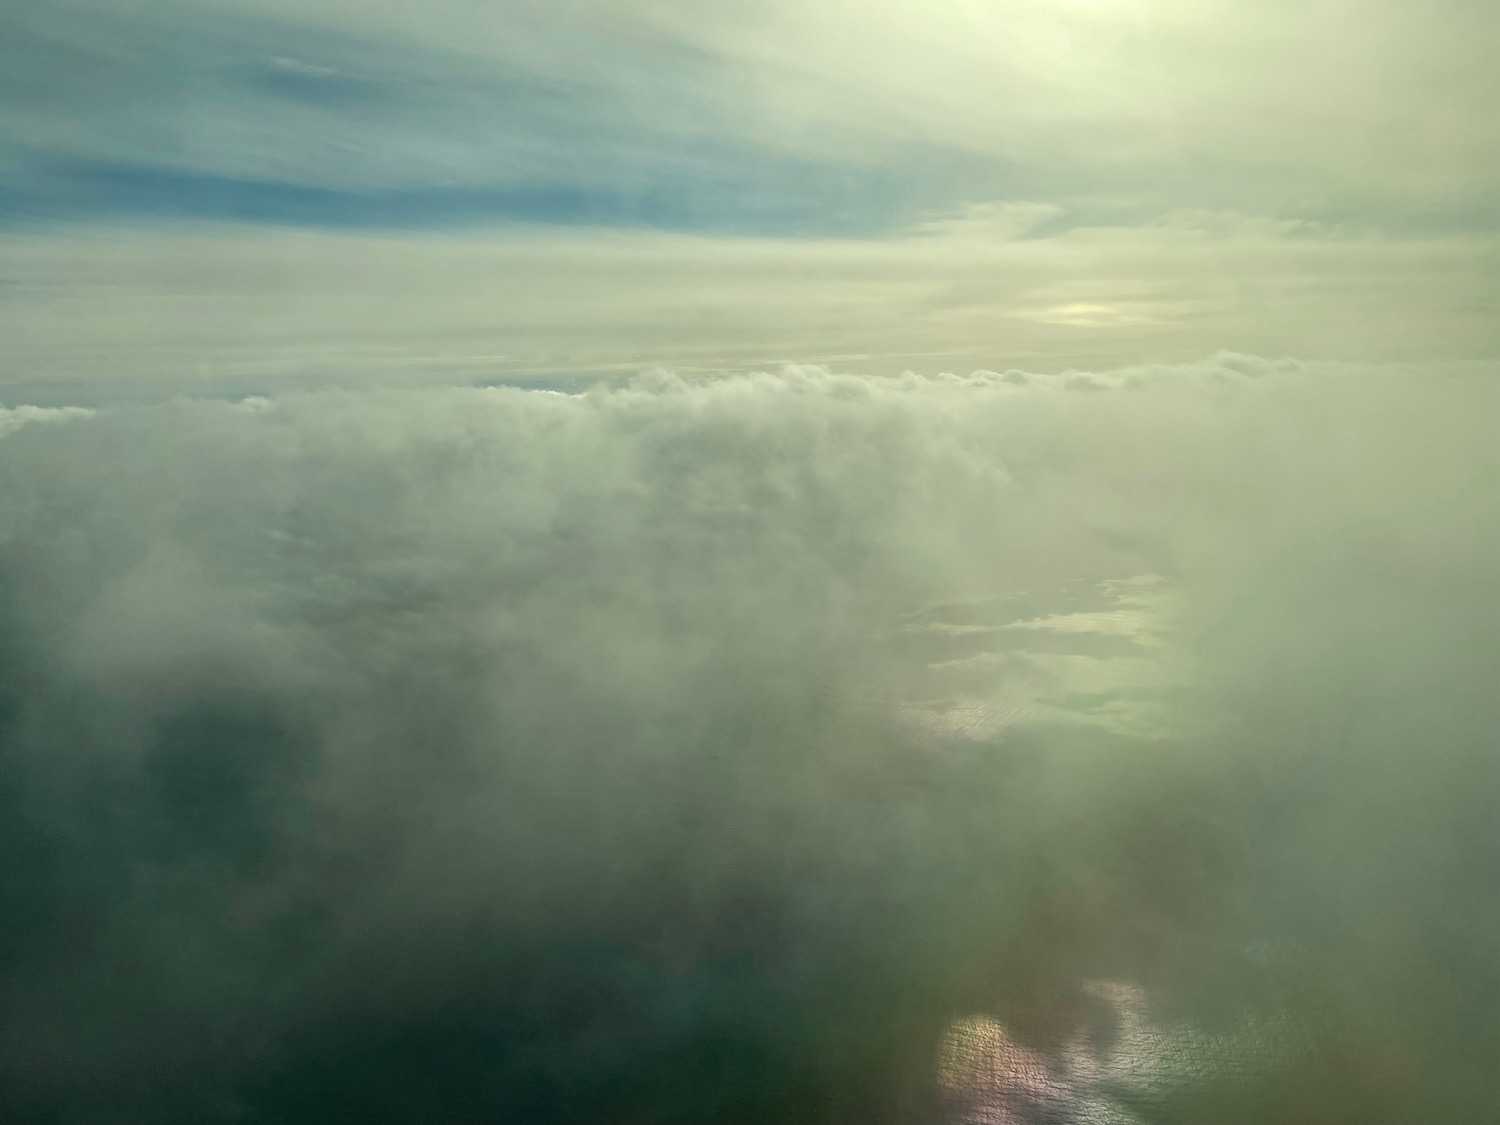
<point x="784" y="561"/>
<point x="239" y="190"/>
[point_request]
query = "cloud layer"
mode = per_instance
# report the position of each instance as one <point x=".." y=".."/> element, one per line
<point x="1308" y="107"/>
<point x="237" y="191"/>
<point x="703" y="750"/>
<point x="93" y="314"/>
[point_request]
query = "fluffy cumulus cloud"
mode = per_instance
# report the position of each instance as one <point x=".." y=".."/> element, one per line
<point x="797" y="747"/>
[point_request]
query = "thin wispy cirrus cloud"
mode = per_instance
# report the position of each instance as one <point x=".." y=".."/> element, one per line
<point x="592" y="562"/>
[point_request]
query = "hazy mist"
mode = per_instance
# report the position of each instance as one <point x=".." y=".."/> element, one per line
<point x="710" y="752"/>
<point x="764" y="562"/>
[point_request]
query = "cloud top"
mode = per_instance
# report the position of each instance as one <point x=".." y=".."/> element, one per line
<point x="699" y="750"/>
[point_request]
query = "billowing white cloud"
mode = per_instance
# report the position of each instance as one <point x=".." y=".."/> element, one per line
<point x="462" y="749"/>
<point x="13" y="418"/>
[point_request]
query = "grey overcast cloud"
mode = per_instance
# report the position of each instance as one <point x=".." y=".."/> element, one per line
<point x="785" y="562"/>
